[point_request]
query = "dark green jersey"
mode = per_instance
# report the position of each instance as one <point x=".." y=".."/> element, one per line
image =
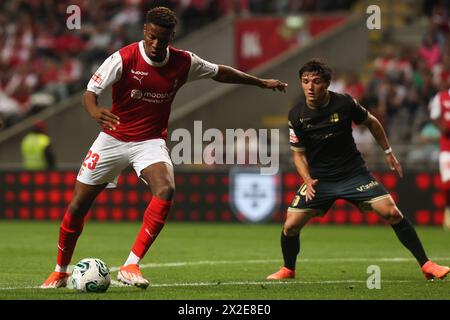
<point x="325" y="135"/>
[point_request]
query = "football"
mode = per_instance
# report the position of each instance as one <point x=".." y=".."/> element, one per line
<point x="91" y="275"/>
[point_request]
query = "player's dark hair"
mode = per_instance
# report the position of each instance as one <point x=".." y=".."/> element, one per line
<point x="318" y="67"/>
<point x="162" y="16"/>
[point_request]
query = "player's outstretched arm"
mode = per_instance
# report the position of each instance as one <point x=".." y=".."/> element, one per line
<point x="379" y="134"/>
<point x="228" y="74"/>
<point x="104" y="117"/>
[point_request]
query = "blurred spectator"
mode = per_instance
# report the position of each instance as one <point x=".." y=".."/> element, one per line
<point x="354" y="86"/>
<point x="70" y="73"/>
<point x="440" y="20"/>
<point x="426" y="145"/>
<point x="337" y="83"/>
<point x="391" y="96"/>
<point x="411" y="101"/>
<point x="441" y="72"/>
<point x="50" y="79"/>
<point x="428" y="89"/>
<point x="36" y="149"/>
<point x="223" y="7"/>
<point x="129" y="15"/>
<point x="393" y="67"/>
<point x="9" y="108"/>
<point x="194" y="14"/>
<point x="429" y="50"/>
<point x="67" y="42"/>
<point x="15" y="99"/>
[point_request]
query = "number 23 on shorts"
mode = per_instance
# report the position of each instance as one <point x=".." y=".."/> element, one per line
<point x="91" y="160"/>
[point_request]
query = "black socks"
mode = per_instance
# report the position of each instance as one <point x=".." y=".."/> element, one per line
<point x="290" y="246"/>
<point x="408" y="237"/>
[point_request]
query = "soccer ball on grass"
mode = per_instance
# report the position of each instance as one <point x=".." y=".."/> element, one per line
<point x="91" y="275"/>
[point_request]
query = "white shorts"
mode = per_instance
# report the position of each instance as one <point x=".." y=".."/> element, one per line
<point x="108" y="157"/>
<point x="444" y="165"/>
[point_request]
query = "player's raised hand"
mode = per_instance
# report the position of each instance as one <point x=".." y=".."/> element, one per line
<point x="274" y="84"/>
<point x="393" y="164"/>
<point x="105" y="118"/>
<point x="310" y="191"/>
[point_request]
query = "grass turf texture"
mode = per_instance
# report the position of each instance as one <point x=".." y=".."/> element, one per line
<point x="227" y="261"/>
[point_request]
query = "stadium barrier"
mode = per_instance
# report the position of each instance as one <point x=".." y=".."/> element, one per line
<point x="210" y="196"/>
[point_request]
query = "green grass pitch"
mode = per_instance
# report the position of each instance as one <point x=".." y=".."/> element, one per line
<point x="196" y="261"/>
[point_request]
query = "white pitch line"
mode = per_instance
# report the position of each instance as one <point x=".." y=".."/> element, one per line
<point x="263" y="283"/>
<point x="217" y="262"/>
<point x="17" y="288"/>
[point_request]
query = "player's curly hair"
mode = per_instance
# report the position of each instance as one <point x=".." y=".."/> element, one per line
<point x="162" y="16"/>
<point x="318" y="67"/>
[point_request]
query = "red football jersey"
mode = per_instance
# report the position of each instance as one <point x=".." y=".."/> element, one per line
<point x="143" y="90"/>
<point x="440" y="110"/>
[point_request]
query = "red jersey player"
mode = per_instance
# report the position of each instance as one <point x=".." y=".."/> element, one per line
<point x="440" y="114"/>
<point x="145" y="77"/>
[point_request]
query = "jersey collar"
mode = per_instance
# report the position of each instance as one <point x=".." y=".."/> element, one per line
<point x="150" y="61"/>
<point x="326" y="103"/>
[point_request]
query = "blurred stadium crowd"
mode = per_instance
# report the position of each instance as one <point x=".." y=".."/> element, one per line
<point x="43" y="62"/>
<point x="401" y="83"/>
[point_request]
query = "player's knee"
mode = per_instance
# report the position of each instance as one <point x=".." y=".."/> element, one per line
<point x="165" y="192"/>
<point x="394" y="215"/>
<point x="291" y="230"/>
<point x="76" y="208"/>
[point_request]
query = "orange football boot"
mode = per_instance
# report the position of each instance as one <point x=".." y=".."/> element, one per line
<point x="431" y="270"/>
<point x="56" y="280"/>
<point x="283" y="273"/>
<point x="131" y="275"/>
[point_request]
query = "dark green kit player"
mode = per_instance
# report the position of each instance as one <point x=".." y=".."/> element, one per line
<point x="326" y="157"/>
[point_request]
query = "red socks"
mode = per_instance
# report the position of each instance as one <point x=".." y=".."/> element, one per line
<point x="154" y="218"/>
<point x="69" y="231"/>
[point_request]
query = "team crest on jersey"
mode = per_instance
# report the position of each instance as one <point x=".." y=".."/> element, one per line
<point x="334" y="117"/>
<point x="254" y="197"/>
<point x="136" y="94"/>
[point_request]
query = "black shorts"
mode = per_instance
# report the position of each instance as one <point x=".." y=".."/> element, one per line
<point x="361" y="190"/>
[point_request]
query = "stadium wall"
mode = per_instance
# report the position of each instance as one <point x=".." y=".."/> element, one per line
<point x="205" y="196"/>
